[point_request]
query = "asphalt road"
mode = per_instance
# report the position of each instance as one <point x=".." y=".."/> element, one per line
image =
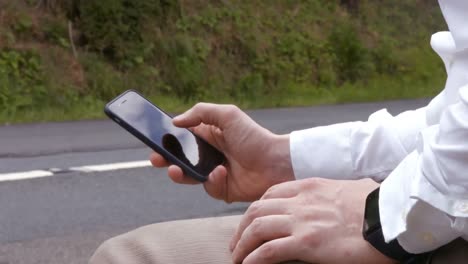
<point x="63" y="218"/>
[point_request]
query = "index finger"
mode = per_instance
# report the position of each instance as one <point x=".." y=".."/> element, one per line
<point x="210" y="114"/>
<point x="261" y="230"/>
<point x="256" y="210"/>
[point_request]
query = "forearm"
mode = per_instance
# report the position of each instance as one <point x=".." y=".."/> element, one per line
<point x="356" y="150"/>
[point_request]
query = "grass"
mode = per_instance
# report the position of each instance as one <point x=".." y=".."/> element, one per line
<point x="375" y="90"/>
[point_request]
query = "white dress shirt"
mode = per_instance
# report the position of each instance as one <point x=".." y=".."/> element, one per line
<point x="421" y="156"/>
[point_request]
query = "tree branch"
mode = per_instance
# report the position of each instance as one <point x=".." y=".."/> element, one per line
<point x="70" y="36"/>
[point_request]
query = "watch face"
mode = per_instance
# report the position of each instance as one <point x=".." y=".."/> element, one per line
<point x="371" y="214"/>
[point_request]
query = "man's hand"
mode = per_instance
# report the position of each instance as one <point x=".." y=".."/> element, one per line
<point x="313" y="220"/>
<point x="256" y="158"/>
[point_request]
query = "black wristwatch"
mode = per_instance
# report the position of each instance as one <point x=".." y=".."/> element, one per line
<point x="372" y="232"/>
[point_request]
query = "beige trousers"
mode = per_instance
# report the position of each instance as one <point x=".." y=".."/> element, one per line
<point x="205" y="241"/>
<point x="194" y="241"/>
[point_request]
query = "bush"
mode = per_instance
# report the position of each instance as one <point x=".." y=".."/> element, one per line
<point x="102" y="80"/>
<point x="21" y="80"/>
<point x="385" y="59"/>
<point x="56" y="32"/>
<point x="184" y="66"/>
<point x="351" y="59"/>
<point x="114" y="27"/>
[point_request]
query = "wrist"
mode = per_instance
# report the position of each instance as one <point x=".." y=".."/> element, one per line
<point x="279" y="160"/>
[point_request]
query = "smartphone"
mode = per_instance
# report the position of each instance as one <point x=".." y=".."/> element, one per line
<point x="154" y="127"/>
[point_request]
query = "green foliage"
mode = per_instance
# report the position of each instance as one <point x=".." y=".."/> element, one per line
<point x="252" y="53"/>
<point x="7" y="37"/>
<point x="23" y="24"/>
<point x="385" y="58"/>
<point x="115" y="27"/>
<point x="21" y="80"/>
<point x="249" y="86"/>
<point x="247" y="50"/>
<point x="55" y="31"/>
<point x="350" y="56"/>
<point x="102" y="81"/>
<point x="184" y="67"/>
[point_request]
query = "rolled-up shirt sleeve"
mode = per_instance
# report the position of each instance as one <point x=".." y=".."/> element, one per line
<point x="356" y="150"/>
<point x="424" y="201"/>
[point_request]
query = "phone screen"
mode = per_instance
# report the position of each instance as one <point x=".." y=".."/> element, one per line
<point x="156" y="126"/>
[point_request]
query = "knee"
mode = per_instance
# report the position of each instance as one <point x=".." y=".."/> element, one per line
<point x="104" y="254"/>
<point x="138" y="246"/>
<point x="113" y="251"/>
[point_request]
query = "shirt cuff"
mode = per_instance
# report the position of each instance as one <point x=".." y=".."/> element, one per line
<point x="322" y="152"/>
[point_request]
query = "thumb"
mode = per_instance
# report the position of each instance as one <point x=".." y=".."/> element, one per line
<point x="209" y="114"/>
<point x="216" y="185"/>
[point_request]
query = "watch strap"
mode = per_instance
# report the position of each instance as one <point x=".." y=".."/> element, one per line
<point x="372" y="232"/>
<point x="392" y="250"/>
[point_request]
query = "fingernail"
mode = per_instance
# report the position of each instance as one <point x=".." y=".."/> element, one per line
<point x="177" y="118"/>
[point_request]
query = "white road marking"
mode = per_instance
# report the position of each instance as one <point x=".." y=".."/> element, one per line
<point x="16" y="176"/>
<point x="25" y="175"/>
<point x="113" y="166"/>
